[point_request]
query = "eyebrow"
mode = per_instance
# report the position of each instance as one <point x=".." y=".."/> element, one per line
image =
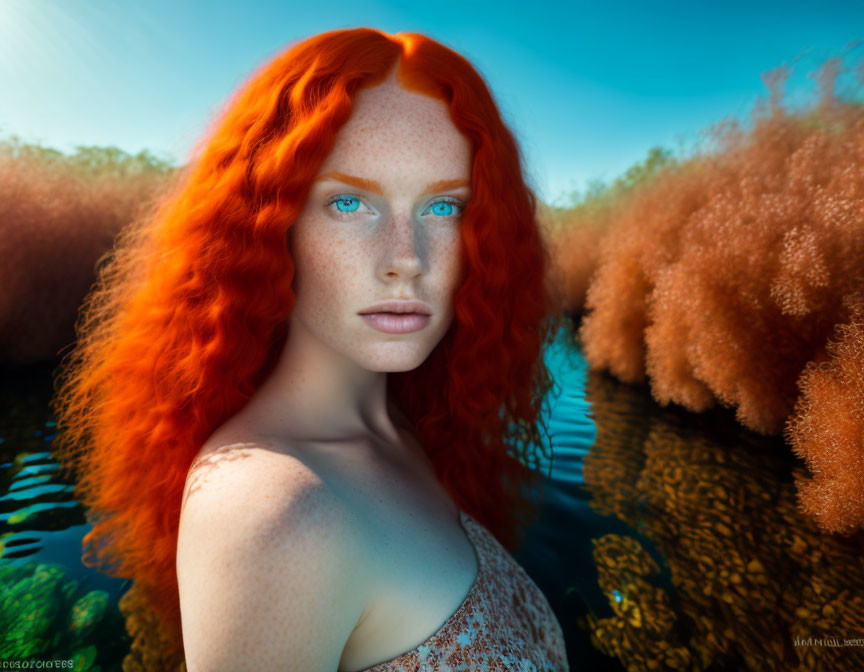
<point x="375" y="187"/>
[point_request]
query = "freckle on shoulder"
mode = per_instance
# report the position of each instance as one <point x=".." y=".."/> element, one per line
<point x="252" y="472"/>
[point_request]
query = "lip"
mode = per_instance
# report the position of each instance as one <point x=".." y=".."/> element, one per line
<point x="402" y="323"/>
<point x="398" y="306"/>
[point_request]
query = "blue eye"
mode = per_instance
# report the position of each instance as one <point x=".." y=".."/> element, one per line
<point x="351" y="203"/>
<point x="445" y="208"/>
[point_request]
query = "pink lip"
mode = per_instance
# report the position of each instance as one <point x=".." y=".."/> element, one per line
<point x="391" y="323"/>
<point x="398" y="306"/>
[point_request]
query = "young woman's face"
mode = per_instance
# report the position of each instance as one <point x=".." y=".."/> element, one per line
<point x="381" y="223"/>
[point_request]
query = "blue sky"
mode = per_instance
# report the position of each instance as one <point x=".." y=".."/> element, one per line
<point x="588" y="87"/>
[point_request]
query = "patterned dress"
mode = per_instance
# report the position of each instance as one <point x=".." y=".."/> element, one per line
<point x="504" y="624"/>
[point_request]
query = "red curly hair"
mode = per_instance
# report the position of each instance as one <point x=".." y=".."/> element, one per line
<point x="188" y="314"/>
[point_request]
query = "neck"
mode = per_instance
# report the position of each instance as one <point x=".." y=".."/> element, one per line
<point x="316" y="394"/>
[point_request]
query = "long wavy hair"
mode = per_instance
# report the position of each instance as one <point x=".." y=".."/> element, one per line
<point x="188" y="313"/>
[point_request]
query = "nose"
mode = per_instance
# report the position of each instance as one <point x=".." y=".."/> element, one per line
<point x="404" y="248"/>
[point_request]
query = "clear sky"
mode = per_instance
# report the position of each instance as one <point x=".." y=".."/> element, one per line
<point x="588" y="87"/>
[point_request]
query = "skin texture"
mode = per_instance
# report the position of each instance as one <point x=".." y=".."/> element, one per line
<point x="330" y="381"/>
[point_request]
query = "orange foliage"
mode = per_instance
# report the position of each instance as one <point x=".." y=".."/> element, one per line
<point x="575" y="243"/>
<point x="58" y="219"/>
<point x="574" y="232"/>
<point x="726" y="274"/>
<point x="827" y="429"/>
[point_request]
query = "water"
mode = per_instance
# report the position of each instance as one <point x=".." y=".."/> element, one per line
<point x="665" y="537"/>
<point x="53" y="608"/>
<point x="673" y="539"/>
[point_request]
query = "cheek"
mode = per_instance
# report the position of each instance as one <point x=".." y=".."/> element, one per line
<point x="325" y="267"/>
<point x="451" y="251"/>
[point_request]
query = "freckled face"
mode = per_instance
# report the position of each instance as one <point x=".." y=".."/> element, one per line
<point x="393" y="234"/>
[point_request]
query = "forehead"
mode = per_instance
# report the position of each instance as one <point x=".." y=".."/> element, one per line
<point x="393" y="130"/>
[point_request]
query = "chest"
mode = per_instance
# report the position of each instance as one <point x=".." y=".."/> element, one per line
<point x="422" y="561"/>
<point x="419" y="560"/>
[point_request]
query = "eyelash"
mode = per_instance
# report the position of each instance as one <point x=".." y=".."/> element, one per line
<point x="445" y="199"/>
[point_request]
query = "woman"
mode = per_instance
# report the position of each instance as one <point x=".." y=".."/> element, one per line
<point x="300" y="479"/>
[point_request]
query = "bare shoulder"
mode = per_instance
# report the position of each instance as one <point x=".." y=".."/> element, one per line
<point x="257" y="465"/>
<point x="268" y="563"/>
<point x="264" y="489"/>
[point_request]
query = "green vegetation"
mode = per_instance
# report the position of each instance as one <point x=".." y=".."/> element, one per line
<point x="45" y="614"/>
<point x="87" y="160"/>
<point x="598" y="190"/>
<point x="585" y="206"/>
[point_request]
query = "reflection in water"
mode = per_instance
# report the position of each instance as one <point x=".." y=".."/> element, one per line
<point x="749" y="574"/>
<point x="149" y="642"/>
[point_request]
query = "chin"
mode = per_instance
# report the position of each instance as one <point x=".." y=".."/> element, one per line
<point x="394" y="359"/>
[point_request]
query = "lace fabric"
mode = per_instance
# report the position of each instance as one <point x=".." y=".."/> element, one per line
<point x="504" y="624"/>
